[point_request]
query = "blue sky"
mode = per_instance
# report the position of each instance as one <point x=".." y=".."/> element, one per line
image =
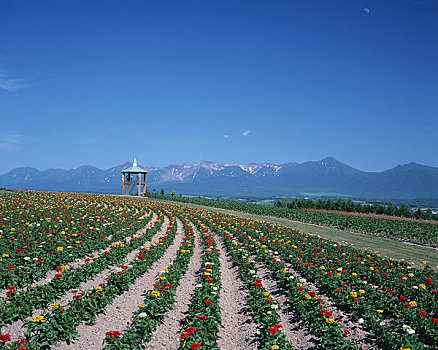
<point x="99" y="82"/>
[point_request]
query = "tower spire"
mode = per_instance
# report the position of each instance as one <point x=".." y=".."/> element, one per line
<point x="134" y="163"/>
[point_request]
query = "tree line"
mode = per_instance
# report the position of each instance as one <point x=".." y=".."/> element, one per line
<point x="403" y="210"/>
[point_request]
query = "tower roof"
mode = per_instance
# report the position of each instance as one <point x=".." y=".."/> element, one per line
<point x="134" y="168"/>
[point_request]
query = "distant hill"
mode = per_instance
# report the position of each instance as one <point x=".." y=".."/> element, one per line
<point x="327" y="177"/>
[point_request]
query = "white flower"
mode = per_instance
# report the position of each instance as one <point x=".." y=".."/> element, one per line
<point x="142" y="314"/>
<point x="410" y="331"/>
<point x="198" y="285"/>
<point x="275" y="307"/>
<point x="382" y="323"/>
<point x="415" y="287"/>
<point x="49" y="280"/>
<point x="360" y="320"/>
<point x="214" y="293"/>
<point x="214" y="288"/>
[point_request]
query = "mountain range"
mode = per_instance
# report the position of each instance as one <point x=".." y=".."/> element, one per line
<point x="326" y="177"/>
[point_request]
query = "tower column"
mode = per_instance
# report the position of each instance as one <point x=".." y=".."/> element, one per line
<point x="123" y="183"/>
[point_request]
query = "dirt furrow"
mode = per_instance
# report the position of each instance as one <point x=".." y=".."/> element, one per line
<point x="15" y="329"/>
<point x="77" y="263"/>
<point x="238" y="330"/>
<point x="121" y="310"/>
<point x="293" y="326"/>
<point x="165" y="336"/>
<point x="362" y="338"/>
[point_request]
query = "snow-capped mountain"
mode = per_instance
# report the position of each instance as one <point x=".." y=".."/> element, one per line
<point x="328" y="176"/>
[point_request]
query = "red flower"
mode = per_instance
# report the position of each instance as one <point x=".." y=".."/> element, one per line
<point x="10" y="267"/>
<point x="268" y="301"/>
<point x="423" y="313"/>
<point x="428" y="279"/>
<point x="347" y="331"/>
<point x="58" y="275"/>
<point x="114" y="334"/>
<point x="273" y="329"/>
<point x="208" y="302"/>
<point x="141" y="256"/>
<point x="5" y="337"/>
<point x="435" y="320"/>
<point x="195" y="346"/>
<point x="190" y="330"/>
<point x="202" y="316"/>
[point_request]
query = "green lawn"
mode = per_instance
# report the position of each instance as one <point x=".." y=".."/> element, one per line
<point x="385" y="246"/>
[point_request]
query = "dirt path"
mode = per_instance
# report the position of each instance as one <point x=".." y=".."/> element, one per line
<point x="15" y="329"/>
<point x="238" y="330"/>
<point x="165" y="336"/>
<point x="121" y="310"/>
<point x="78" y="262"/>
<point x="293" y="326"/>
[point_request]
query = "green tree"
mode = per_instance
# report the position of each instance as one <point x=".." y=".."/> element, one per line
<point x="162" y="191"/>
<point x="172" y="193"/>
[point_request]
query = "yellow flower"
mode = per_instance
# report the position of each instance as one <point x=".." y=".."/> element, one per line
<point x="307" y="296"/>
<point x="329" y="320"/>
<point x="299" y="284"/>
<point x="5" y="255"/>
<point x="413" y="303"/>
<point x="99" y="289"/>
<point x="142" y="305"/>
<point x="155" y="293"/>
<point x="353" y="294"/>
<point x="275" y="347"/>
<point x="322" y="267"/>
<point x="354" y="274"/>
<point x="361" y="291"/>
<point x="162" y="278"/>
<point x="60" y="249"/>
<point x="402" y="348"/>
<point x="269" y="312"/>
<point x="379" y="311"/>
<point x="38" y="318"/>
<point x="422" y="286"/>
<point x="56" y="305"/>
<point x="265" y="294"/>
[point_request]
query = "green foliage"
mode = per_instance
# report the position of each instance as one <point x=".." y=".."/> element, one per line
<point x="419" y="232"/>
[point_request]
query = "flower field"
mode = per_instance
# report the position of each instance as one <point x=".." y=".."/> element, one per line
<point x="82" y="271"/>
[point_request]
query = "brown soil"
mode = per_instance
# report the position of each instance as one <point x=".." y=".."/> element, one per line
<point x="165" y="336"/>
<point x="238" y="331"/>
<point x="121" y="310"/>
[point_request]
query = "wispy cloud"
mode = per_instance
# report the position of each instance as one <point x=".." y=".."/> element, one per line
<point x="7" y="82"/>
<point x="246" y="133"/>
<point x="227" y="136"/>
<point x="10" y="141"/>
<point x="11" y="85"/>
<point x="366" y="10"/>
